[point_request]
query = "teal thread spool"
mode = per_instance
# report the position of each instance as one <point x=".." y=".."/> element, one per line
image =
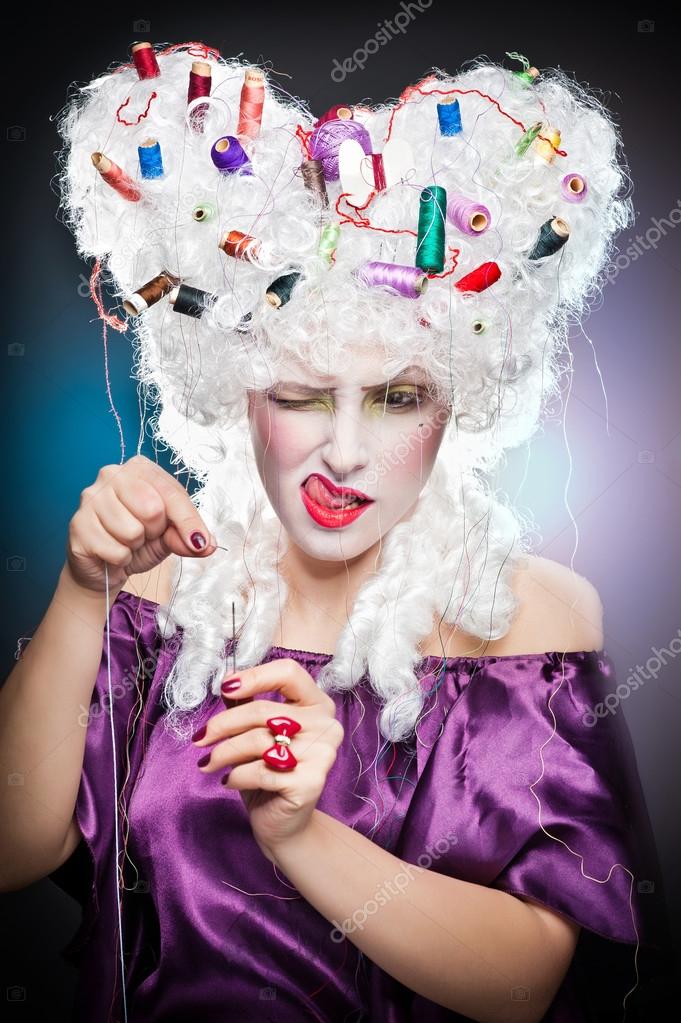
<point x="552" y="236"/>
<point x="279" y="291"/>
<point x="430" y="239"/>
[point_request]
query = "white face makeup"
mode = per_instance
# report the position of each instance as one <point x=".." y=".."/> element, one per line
<point x="355" y="430"/>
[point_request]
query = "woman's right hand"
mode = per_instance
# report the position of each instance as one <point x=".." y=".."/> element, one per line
<point x="132" y="517"/>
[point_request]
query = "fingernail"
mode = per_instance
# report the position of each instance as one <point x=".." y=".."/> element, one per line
<point x="203" y="760"/>
<point x="230" y="687"/>
<point x="198" y="540"/>
<point x="197" y="736"/>
<point x="225" y="778"/>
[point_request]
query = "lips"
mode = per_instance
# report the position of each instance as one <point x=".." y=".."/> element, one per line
<point x="327" y="494"/>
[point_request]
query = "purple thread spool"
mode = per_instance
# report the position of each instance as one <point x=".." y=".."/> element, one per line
<point x="467" y="215"/>
<point x="406" y="281"/>
<point x="326" y="139"/>
<point x="573" y="188"/>
<point x="228" y="155"/>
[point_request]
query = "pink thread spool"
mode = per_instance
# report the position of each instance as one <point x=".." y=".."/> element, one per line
<point x="251" y="104"/>
<point x="573" y="188"/>
<point x="116" y="177"/>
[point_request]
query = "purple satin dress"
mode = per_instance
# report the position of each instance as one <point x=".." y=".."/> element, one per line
<point x="213" y="932"/>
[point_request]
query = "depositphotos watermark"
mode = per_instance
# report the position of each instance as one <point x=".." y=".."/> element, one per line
<point x="399" y="23"/>
<point x="385" y="893"/>
<point x="635" y="680"/>
<point x="644" y="242"/>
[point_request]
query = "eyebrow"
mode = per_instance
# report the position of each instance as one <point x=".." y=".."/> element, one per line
<point x="306" y="389"/>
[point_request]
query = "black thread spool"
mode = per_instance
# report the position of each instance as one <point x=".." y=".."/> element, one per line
<point x="552" y="236"/>
<point x="190" y="301"/>
<point x="279" y="291"/>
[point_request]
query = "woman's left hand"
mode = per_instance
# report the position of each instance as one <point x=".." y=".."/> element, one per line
<point x="279" y="803"/>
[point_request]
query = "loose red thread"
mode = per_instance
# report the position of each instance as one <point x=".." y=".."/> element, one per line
<point x="125" y="102"/>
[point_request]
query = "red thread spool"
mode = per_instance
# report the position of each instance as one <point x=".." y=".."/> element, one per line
<point x="116" y="177"/>
<point x="144" y="59"/>
<point x="240" y="246"/>
<point x="199" y="85"/>
<point x="337" y="113"/>
<point x="252" y="101"/>
<point x="480" y="278"/>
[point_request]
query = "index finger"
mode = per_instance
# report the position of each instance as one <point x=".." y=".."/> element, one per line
<point x="180" y="511"/>
<point x="282" y="675"/>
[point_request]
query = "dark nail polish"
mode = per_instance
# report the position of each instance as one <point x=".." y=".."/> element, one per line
<point x="199" y="541"/>
<point x="203" y="761"/>
<point x="225" y="778"/>
<point x="231" y="687"/>
<point x="197" y="736"/>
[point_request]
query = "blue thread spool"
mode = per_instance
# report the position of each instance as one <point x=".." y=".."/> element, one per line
<point x="151" y="164"/>
<point x="449" y="116"/>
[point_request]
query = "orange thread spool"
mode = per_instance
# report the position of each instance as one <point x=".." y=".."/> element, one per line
<point x="240" y="246"/>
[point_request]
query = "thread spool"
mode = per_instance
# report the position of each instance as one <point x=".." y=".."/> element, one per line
<point x="229" y="156"/>
<point x="467" y="215"/>
<point x="478" y="327"/>
<point x="482" y="277"/>
<point x="279" y="291"/>
<point x="449" y="116"/>
<point x="313" y="179"/>
<point x="203" y="212"/>
<point x="200" y="79"/>
<point x="326" y="140"/>
<point x="544" y="148"/>
<point x="430" y="240"/>
<point x="328" y="242"/>
<point x="190" y="301"/>
<point x="552" y="236"/>
<point x="116" y="177"/>
<point x="405" y="281"/>
<point x="251" y="104"/>
<point x="151" y="162"/>
<point x="528" y="138"/>
<point x="528" y="76"/>
<point x="150" y="293"/>
<point x="337" y="113"/>
<point x="573" y="188"/>
<point x="144" y="59"/>
<point x="240" y="246"/>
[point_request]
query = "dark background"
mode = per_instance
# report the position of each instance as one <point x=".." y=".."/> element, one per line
<point x="618" y="461"/>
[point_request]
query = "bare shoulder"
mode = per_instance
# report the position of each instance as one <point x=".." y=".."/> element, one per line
<point x="155" y="585"/>
<point x="558" y="608"/>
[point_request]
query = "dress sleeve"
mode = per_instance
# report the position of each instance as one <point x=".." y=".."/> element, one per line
<point x="544" y="800"/>
<point x="135" y="653"/>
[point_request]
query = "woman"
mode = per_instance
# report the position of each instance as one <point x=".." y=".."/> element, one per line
<point x="429" y="829"/>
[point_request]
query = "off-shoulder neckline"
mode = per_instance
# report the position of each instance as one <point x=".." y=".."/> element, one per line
<point x="559" y="655"/>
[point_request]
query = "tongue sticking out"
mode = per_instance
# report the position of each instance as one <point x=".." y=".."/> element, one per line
<point x="318" y="492"/>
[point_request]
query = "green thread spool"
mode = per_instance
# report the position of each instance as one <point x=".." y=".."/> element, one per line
<point x="329" y="241"/>
<point x="552" y="236"/>
<point x="528" y="138"/>
<point x="430" y="239"/>
<point x="279" y="291"/>
<point x="204" y="211"/>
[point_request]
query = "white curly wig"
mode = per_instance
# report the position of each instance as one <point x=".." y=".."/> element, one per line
<point x="493" y="355"/>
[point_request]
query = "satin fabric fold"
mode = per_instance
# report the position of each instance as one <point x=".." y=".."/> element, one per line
<point x="213" y="931"/>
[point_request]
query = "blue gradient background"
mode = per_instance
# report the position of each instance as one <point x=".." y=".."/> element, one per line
<point x="624" y="486"/>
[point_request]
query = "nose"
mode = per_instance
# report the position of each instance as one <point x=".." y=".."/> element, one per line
<point x="345" y="450"/>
